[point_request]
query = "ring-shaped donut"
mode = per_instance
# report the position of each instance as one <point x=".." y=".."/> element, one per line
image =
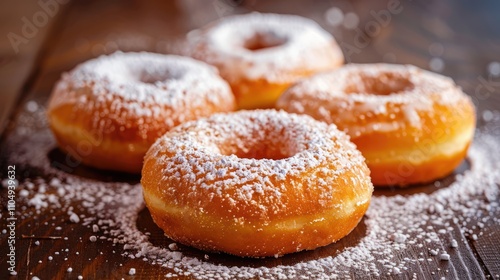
<point x="260" y="55"/>
<point x="411" y="125"/>
<point x="256" y="183"/>
<point x="108" y="111"/>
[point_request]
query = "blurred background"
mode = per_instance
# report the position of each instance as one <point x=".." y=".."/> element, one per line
<point x="41" y="39"/>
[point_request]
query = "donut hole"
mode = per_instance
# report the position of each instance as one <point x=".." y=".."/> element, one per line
<point x="263" y="40"/>
<point x="153" y="76"/>
<point x="152" y="79"/>
<point x="262" y="151"/>
<point x="384" y="83"/>
<point x="262" y="144"/>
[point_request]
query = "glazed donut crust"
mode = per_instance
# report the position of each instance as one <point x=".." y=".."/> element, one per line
<point x="290" y="48"/>
<point x="302" y="210"/>
<point x="444" y="138"/>
<point x="96" y="149"/>
<point x="119" y="144"/>
<point x="98" y="124"/>
<point x="414" y="136"/>
<point x="279" y="236"/>
<point x="263" y="92"/>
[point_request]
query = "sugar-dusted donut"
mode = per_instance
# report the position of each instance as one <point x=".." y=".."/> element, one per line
<point x="256" y="183"/>
<point x="108" y="111"/>
<point x="412" y="126"/>
<point x="260" y="55"/>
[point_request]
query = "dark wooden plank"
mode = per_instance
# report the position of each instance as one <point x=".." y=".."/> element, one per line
<point x="25" y="26"/>
<point x="487" y="247"/>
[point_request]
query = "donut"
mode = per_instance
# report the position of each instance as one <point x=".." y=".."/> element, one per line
<point x="260" y="55"/>
<point x="256" y="183"/>
<point x="412" y="126"/>
<point x="108" y="111"/>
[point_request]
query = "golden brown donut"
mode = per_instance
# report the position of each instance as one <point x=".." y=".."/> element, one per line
<point x="108" y="111"/>
<point x="260" y="55"/>
<point x="411" y="125"/>
<point x="256" y="183"/>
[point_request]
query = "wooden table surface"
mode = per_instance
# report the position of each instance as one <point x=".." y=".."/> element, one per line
<point x="461" y="39"/>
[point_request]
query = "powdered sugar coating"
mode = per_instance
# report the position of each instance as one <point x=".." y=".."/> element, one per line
<point x="471" y="198"/>
<point x="141" y="90"/>
<point x="229" y="158"/>
<point x="295" y="45"/>
<point x="358" y="92"/>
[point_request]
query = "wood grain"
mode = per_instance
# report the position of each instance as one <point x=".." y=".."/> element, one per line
<point x="20" y="48"/>
<point x="87" y="29"/>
